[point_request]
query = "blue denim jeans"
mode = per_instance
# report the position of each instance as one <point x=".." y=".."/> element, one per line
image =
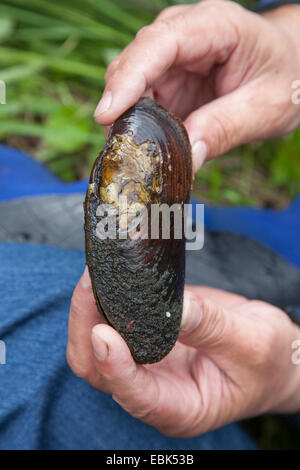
<point x="43" y="405"/>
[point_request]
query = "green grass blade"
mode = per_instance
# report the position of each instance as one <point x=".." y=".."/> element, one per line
<point x="27" y="17"/>
<point x="19" y="72"/>
<point x="8" y="55"/>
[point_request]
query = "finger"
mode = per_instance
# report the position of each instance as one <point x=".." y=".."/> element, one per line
<point x="148" y="93"/>
<point x="133" y="76"/>
<point x="221" y="333"/>
<point x="112" y="68"/>
<point x="83" y="317"/>
<point x="234" y="119"/>
<point x="218" y="296"/>
<point x="159" y="46"/>
<point x="172" y="11"/>
<point x="114" y="64"/>
<point x="132" y="385"/>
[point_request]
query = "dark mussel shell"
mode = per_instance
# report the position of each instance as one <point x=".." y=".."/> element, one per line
<point x="138" y="283"/>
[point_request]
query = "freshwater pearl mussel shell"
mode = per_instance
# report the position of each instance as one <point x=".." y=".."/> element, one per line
<point x="138" y="282"/>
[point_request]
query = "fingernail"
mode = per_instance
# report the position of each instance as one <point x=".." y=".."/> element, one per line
<point x="104" y="103"/>
<point x="191" y="313"/>
<point x="85" y="279"/>
<point x="100" y="347"/>
<point x="199" y="154"/>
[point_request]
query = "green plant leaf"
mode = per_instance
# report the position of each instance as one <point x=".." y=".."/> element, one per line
<point x="69" y="130"/>
<point x="6" y="28"/>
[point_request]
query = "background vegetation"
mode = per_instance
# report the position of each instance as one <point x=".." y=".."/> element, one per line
<point x="53" y="57"/>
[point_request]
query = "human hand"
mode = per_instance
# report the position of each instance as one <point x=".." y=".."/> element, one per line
<point x="232" y="361"/>
<point x="226" y="71"/>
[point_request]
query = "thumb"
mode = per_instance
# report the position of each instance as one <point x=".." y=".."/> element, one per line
<point x="229" y="121"/>
<point x="214" y="329"/>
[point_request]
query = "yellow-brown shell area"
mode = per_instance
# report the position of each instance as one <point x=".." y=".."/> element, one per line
<point x="132" y="171"/>
<point x="138" y="284"/>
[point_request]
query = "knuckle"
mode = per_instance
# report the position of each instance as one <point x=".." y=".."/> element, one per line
<point x="214" y="6"/>
<point x="167" y="12"/>
<point x="143" y="31"/>
<point x="114" y="61"/>
<point x="154" y="29"/>
<point x="112" y="66"/>
<point x="224" y="131"/>
<point x="136" y="408"/>
<point x="214" y="323"/>
<point x="173" y="10"/>
<point x="145" y="414"/>
<point x="226" y="14"/>
<point x="170" y="431"/>
<point x="210" y="7"/>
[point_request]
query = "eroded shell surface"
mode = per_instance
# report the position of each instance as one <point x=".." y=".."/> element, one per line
<point x="138" y="282"/>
